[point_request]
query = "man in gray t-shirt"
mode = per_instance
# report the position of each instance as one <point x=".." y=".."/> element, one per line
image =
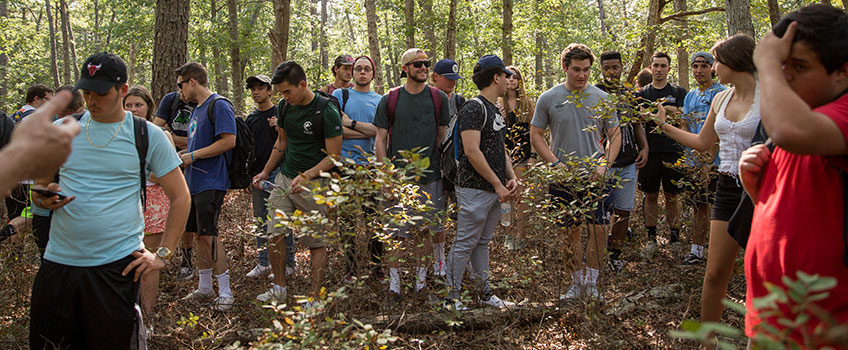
<point x="568" y="110"/>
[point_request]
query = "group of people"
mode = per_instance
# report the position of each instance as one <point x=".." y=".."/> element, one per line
<point x="110" y="205"/>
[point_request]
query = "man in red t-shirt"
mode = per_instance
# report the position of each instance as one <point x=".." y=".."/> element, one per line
<point x="798" y="218"/>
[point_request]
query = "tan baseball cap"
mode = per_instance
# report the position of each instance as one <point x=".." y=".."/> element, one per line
<point x="412" y="55"/>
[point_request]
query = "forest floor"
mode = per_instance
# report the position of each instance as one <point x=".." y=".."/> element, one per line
<point x="641" y="304"/>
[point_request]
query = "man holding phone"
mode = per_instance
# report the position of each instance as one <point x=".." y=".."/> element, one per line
<point x="85" y="292"/>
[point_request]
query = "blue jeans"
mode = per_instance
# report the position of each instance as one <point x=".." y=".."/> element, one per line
<point x="260" y="212"/>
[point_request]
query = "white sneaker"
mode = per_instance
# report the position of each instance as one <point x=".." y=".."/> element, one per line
<point x="224" y="303"/>
<point x="440" y="269"/>
<point x="650" y="249"/>
<point x="186" y="273"/>
<point x="289" y="271"/>
<point x="259" y="271"/>
<point x="454" y="305"/>
<point x="277" y="294"/>
<point x="572" y="293"/>
<point x="198" y="295"/>
<point x="494" y="301"/>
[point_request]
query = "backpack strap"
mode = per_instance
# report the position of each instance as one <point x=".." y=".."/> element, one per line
<point x="175" y="103"/>
<point x="318" y="115"/>
<point x="436" y="96"/>
<point x="141" y="144"/>
<point x="345" y="97"/>
<point x="394" y="95"/>
<point x="720" y="98"/>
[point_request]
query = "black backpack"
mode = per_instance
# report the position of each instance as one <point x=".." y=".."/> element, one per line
<point x="238" y="167"/>
<point x="141" y="144"/>
<point x="449" y="149"/>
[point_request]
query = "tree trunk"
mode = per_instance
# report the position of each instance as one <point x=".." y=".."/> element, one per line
<point x="109" y="34"/>
<point x="4" y="59"/>
<point x="131" y="65"/>
<point x="314" y="20"/>
<point x="506" y="32"/>
<point x="54" y="69"/>
<point x="374" y="43"/>
<point x="325" y="59"/>
<point x="73" y="48"/>
<point x="96" y="28"/>
<point x="603" y="16"/>
<point x="235" y="58"/>
<point x="774" y="11"/>
<point x="429" y="32"/>
<point x="220" y="78"/>
<point x="549" y="74"/>
<point x="280" y="34"/>
<point x="739" y="17"/>
<point x="682" y="55"/>
<point x="540" y="49"/>
<point x="643" y="56"/>
<point x="409" y="17"/>
<point x="66" y="51"/>
<point x="450" y="32"/>
<point x="350" y="26"/>
<point x="171" y="43"/>
<point x="394" y="80"/>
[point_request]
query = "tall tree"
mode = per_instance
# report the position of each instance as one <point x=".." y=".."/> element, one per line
<point x="170" y="44"/>
<point x="374" y="43"/>
<point x="68" y="61"/>
<point x="506" y="32"/>
<point x="429" y="32"/>
<point x="739" y="17"/>
<point x="643" y="56"/>
<point x="280" y="34"/>
<point x="54" y="68"/>
<point x="774" y="11"/>
<point x="682" y="55"/>
<point x="221" y="85"/>
<point x="392" y="73"/>
<point x="450" y="31"/>
<point x="409" y="18"/>
<point x="72" y="46"/>
<point x="603" y="16"/>
<point x="540" y="47"/>
<point x="235" y="57"/>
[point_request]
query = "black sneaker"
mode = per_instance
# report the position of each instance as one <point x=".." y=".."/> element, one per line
<point x="616" y="265"/>
<point x="692" y="259"/>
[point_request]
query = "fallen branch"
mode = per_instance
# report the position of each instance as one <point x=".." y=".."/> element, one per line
<point x="679" y="15"/>
<point x="483" y="318"/>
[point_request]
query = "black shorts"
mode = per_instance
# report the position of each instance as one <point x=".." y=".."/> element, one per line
<point x="83" y="307"/>
<point x="205" y="209"/>
<point x="728" y="195"/>
<point x="655" y="173"/>
<point x="600" y="216"/>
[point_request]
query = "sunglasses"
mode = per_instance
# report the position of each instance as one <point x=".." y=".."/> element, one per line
<point x="180" y="84"/>
<point x="418" y="64"/>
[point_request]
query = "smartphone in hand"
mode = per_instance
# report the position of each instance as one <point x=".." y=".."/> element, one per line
<point x="48" y="193"/>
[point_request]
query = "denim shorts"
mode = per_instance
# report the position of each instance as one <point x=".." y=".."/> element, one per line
<point x="625" y="192"/>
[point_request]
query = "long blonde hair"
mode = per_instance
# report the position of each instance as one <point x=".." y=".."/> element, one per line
<point x="524" y="106"/>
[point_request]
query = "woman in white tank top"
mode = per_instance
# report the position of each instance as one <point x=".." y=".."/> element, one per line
<point x="732" y="121"/>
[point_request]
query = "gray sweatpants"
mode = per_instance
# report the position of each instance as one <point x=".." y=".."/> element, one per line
<point x="479" y="212"/>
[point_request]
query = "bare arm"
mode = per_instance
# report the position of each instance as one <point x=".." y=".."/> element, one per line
<point x="351" y="134"/>
<point x="614" y="144"/>
<point x="174" y="185"/>
<point x="380" y="144"/>
<point x="537" y="139"/>
<point x="273" y="159"/>
<point x="441" y="132"/>
<point x="225" y="143"/>
<point x="702" y="141"/>
<point x="367" y="130"/>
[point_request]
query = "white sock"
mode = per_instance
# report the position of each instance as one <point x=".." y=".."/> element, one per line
<point x="577" y="277"/>
<point x="421" y="281"/>
<point x="277" y="288"/>
<point x="394" y="280"/>
<point x="697" y="250"/>
<point x="592" y="276"/>
<point x="224" y="284"/>
<point x="205" y="285"/>
<point x="439" y="253"/>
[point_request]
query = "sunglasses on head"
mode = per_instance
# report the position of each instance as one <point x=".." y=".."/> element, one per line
<point x="418" y="64"/>
<point x="180" y="84"/>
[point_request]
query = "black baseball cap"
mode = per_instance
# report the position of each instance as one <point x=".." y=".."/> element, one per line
<point x="448" y="69"/>
<point x="101" y="72"/>
<point x="492" y="61"/>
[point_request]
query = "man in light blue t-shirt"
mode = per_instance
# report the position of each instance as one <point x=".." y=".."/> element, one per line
<point x="211" y="137"/>
<point x="358" y="111"/>
<point x="95" y="255"/>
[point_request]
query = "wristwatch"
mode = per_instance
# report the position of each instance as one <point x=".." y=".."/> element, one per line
<point x="353" y="124"/>
<point x="163" y="253"/>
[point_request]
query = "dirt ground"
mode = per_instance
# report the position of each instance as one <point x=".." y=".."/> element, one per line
<point x="641" y="304"/>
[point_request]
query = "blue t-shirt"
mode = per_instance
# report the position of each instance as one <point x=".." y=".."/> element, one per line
<point x="696" y="107"/>
<point x="105" y="221"/>
<point x="209" y="173"/>
<point x="360" y="106"/>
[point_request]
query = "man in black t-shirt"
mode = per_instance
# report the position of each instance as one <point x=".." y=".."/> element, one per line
<point x="662" y="150"/>
<point x="262" y="122"/>
<point x="486" y="180"/>
<point x="633" y="155"/>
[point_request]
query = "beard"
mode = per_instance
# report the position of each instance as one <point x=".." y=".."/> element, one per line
<point x="416" y="79"/>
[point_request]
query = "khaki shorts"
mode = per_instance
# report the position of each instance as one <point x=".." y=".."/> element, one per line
<point x="302" y="201"/>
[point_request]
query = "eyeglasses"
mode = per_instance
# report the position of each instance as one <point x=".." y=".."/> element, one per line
<point x="180" y="84"/>
<point x="363" y="69"/>
<point x="418" y="64"/>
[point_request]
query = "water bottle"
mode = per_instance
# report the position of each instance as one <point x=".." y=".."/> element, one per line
<point x="267" y="186"/>
<point x="505" y="209"/>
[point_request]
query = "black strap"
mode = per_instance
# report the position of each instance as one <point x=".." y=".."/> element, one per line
<point x="345" y="97"/>
<point x="175" y="103"/>
<point x="318" y="116"/>
<point x="141" y="144"/>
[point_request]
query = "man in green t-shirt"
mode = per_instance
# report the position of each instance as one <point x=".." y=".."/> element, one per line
<point x="416" y="124"/>
<point x="304" y="160"/>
